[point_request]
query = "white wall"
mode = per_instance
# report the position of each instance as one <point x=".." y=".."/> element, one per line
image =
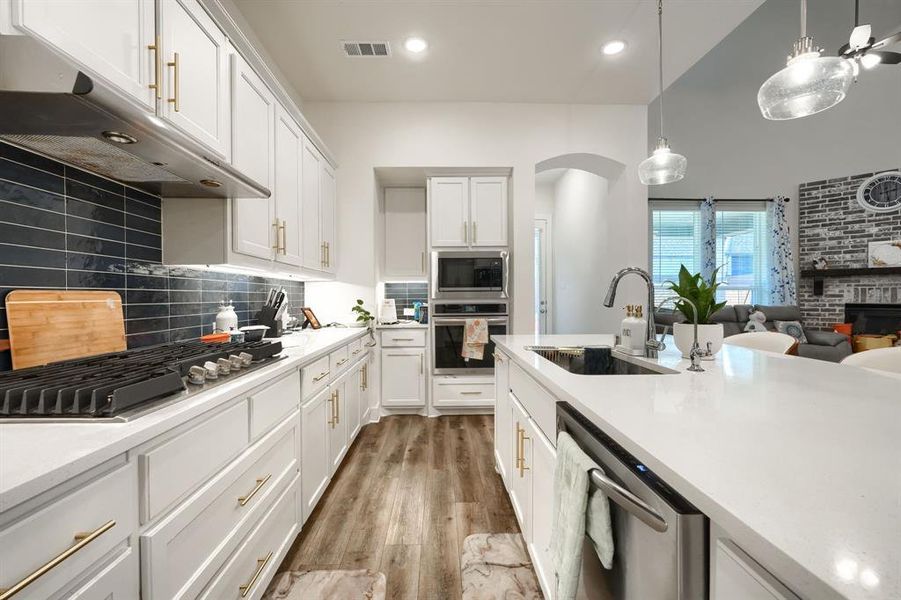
<point x="712" y="118"/>
<point x="368" y="135"/>
<point x="585" y="230"/>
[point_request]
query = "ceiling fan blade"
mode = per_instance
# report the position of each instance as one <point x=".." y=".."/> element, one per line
<point x="860" y="36"/>
<point x="892" y="39"/>
<point x="888" y="58"/>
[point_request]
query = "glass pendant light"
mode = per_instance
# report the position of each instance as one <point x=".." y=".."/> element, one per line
<point x="809" y="83"/>
<point x="663" y="165"/>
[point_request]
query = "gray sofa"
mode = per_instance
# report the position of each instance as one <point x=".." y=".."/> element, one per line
<point x="822" y="345"/>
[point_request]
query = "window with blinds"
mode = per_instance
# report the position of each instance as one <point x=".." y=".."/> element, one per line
<point x="742" y="248"/>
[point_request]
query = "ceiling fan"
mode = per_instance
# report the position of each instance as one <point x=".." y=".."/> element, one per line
<point x="864" y="48"/>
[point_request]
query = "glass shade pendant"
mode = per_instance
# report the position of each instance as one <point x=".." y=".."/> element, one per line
<point x="663" y="166"/>
<point x="809" y="83"/>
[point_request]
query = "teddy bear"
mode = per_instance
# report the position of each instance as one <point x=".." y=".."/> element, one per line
<point x="755" y="322"/>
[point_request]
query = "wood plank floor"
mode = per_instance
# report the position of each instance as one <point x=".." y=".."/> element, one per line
<point x="408" y="493"/>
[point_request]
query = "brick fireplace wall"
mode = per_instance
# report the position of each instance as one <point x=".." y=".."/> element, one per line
<point x="833" y="225"/>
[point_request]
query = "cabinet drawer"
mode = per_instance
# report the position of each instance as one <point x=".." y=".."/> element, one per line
<point x="185" y="549"/>
<point x="314" y="377"/>
<point x="339" y="360"/>
<point x="537" y="402"/>
<point x="461" y="392"/>
<point x="403" y="337"/>
<point x="252" y="566"/>
<point x="117" y="580"/>
<point x="272" y="403"/>
<point x="106" y="508"/>
<point x="175" y="467"/>
<point x="356" y="349"/>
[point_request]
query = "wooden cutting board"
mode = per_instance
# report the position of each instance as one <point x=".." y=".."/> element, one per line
<point x="52" y="325"/>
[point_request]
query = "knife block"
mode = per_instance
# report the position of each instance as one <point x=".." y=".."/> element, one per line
<point x="266" y="316"/>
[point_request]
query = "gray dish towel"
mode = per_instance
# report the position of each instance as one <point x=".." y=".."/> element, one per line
<point x="579" y="509"/>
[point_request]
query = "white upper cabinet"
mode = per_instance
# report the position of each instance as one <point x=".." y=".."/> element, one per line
<point x="253" y="153"/>
<point x="112" y="40"/>
<point x="468" y="212"/>
<point x="488" y="211"/>
<point x="405" y="233"/>
<point x="328" y="206"/>
<point x="449" y="211"/>
<point x="288" y="156"/>
<point x="194" y="58"/>
<point x="313" y="249"/>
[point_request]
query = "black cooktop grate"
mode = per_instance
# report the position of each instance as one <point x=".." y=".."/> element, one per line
<point x="109" y="384"/>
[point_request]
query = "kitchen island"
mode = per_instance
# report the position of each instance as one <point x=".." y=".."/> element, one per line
<point x="798" y="461"/>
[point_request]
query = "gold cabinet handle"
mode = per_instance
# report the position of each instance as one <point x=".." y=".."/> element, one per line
<point x="422" y="260"/>
<point x="517" y="445"/>
<point x="465" y="232"/>
<point x="174" y="64"/>
<point x="421" y="364"/>
<point x="473" y="232"/>
<point x="498" y="357"/>
<point x="522" y="450"/>
<point x="81" y="540"/>
<point x="328" y="254"/>
<point x="275" y="227"/>
<point x="261" y="564"/>
<point x="322" y="254"/>
<point x="337" y="406"/>
<point x="365" y="377"/>
<point x="320" y="377"/>
<point x="243" y="500"/>
<point x="331" y="401"/>
<point x="470" y="393"/>
<point x="157" y="68"/>
<point x="357" y="351"/>
<point x="283" y="228"/>
<point x="341" y="362"/>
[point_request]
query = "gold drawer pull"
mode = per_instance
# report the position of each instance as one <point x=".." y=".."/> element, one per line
<point x="321" y="377"/>
<point x="402" y="339"/>
<point x="470" y="393"/>
<point x="261" y="564"/>
<point x="81" y="540"/>
<point x="357" y="351"/>
<point x="342" y="361"/>
<point x="174" y="64"/>
<point x="243" y="500"/>
<point x="275" y="226"/>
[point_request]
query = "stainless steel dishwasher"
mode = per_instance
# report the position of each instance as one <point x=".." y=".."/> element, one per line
<point x="660" y="539"/>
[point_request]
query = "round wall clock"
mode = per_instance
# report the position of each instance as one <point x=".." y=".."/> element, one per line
<point x="881" y="193"/>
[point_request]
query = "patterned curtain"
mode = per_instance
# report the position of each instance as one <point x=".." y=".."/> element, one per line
<point x="782" y="265"/>
<point x="708" y="237"/>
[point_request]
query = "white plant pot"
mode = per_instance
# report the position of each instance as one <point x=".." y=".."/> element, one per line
<point x="683" y="334"/>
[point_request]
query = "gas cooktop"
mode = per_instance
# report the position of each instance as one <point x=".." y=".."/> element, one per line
<point x="122" y="385"/>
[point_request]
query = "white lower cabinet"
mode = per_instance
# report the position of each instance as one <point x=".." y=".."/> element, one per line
<point x="316" y="414"/>
<point x="502" y="416"/>
<point x="353" y="393"/>
<point x="116" y="580"/>
<point x="737" y="576"/>
<point x="403" y="377"/>
<point x="520" y="486"/>
<point x="541" y="463"/>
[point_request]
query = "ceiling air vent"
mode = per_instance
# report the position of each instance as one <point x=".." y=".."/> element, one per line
<point x="366" y="49"/>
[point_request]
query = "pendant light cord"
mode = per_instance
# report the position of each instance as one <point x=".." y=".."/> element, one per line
<point x="803" y="18"/>
<point x="660" y="58"/>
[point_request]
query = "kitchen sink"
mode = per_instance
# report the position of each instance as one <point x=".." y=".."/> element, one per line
<point x="590" y="360"/>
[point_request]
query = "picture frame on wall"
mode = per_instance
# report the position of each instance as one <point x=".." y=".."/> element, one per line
<point x="884" y="254"/>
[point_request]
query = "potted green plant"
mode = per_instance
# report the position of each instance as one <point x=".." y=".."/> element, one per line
<point x="364" y="317"/>
<point x="702" y="294"/>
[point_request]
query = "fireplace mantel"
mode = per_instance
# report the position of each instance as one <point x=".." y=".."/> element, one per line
<point x="846" y="272"/>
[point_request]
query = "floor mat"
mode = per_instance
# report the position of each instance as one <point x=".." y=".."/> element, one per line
<point x="496" y="566"/>
<point x="362" y="584"/>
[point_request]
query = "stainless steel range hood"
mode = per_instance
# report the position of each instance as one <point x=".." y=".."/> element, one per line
<point x="48" y="106"/>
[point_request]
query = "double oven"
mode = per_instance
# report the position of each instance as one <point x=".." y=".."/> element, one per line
<point x="467" y="284"/>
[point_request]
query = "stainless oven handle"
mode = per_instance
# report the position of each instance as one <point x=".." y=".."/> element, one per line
<point x="628" y="501"/>
<point x="505" y="278"/>
<point x="457" y="321"/>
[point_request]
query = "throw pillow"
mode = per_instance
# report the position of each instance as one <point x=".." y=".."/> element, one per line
<point x="792" y="328"/>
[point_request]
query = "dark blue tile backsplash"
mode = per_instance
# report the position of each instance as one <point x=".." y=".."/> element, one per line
<point x="406" y="293"/>
<point x="64" y="228"/>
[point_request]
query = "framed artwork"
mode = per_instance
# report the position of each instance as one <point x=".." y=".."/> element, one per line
<point x="884" y="254"/>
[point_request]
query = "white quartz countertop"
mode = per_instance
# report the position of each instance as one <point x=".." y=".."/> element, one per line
<point x="798" y="460"/>
<point x="36" y="457"/>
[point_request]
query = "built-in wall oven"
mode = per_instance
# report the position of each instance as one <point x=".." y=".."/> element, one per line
<point x="659" y="538"/>
<point x="448" y="327"/>
<point x="470" y="275"/>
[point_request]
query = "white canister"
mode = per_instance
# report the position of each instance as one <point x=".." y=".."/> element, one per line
<point x="226" y="318"/>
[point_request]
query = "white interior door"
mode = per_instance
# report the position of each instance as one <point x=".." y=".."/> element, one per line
<point x="542" y="275"/>
<point x="488" y="211"/>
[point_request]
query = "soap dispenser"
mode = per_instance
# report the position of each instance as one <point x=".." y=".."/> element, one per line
<point x="639" y="329"/>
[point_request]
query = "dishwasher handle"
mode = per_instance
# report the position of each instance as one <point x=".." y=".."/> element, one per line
<point x="628" y="501"/>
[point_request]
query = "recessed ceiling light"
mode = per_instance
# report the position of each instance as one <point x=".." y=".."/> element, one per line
<point x="415" y="44"/>
<point x="614" y="47"/>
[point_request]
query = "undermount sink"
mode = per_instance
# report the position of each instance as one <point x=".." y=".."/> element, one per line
<point x="590" y="360"/>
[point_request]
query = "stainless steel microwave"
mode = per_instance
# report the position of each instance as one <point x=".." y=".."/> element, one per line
<point x="470" y="275"/>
